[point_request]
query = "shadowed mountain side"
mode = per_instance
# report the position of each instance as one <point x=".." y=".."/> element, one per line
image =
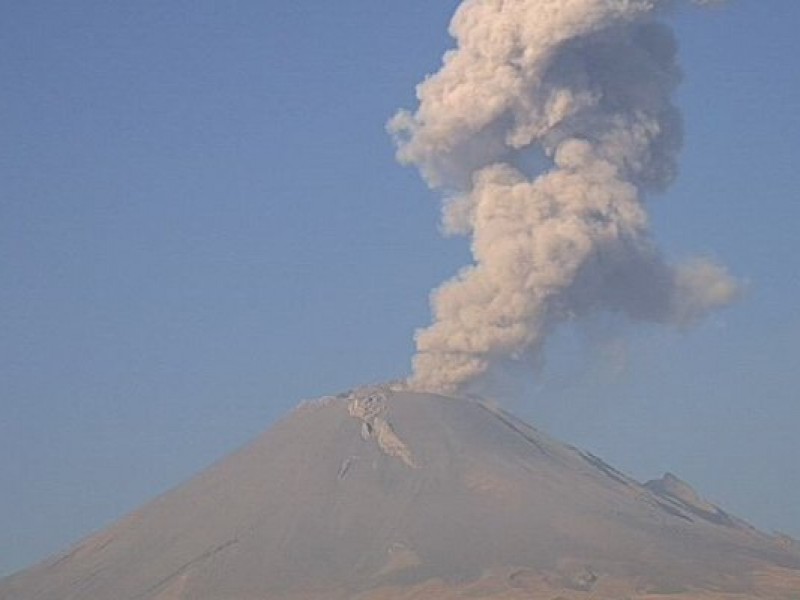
<point x="386" y="493"/>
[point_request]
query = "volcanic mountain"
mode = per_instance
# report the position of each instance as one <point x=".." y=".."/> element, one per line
<point x="383" y="493"/>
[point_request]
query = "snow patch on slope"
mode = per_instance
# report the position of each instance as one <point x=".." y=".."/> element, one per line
<point x="369" y="406"/>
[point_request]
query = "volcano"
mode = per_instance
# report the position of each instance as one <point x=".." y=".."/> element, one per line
<point x="384" y="493"/>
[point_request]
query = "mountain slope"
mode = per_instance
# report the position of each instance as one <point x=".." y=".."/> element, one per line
<point x="386" y="493"/>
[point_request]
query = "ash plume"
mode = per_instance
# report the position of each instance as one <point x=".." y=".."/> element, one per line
<point x="544" y="130"/>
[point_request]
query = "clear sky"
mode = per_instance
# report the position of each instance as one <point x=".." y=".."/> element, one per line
<point x="202" y="223"/>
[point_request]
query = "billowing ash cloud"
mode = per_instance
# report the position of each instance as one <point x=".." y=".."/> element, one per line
<point x="544" y="130"/>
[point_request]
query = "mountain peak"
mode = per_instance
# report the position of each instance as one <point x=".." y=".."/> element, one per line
<point x="681" y="494"/>
<point x="383" y="492"/>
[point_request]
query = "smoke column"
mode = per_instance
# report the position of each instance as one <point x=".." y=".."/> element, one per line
<point x="544" y="130"/>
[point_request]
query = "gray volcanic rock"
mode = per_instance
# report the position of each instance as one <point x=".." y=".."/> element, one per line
<point x="385" y="493"/>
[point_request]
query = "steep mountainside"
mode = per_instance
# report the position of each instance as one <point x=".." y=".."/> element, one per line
<point x="384" y="493"/>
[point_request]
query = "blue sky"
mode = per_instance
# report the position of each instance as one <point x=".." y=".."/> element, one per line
<point x="203" y="223"/>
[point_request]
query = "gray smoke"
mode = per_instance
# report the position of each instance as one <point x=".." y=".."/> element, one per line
<point x="544" y="130"/>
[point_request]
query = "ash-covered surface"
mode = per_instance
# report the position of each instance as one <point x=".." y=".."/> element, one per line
<point x="386" y="493"/>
